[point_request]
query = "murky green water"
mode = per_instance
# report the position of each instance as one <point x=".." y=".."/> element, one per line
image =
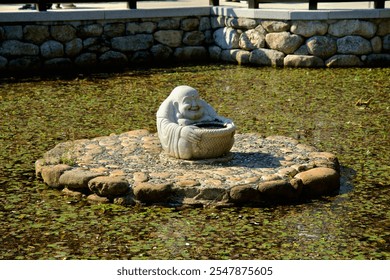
<point x="319" y="106"/>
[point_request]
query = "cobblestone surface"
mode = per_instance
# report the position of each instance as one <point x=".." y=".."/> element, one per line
<point x="256" y="170"/>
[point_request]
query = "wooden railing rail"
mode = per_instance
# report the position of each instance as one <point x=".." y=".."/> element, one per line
<point x="132" y="4"/>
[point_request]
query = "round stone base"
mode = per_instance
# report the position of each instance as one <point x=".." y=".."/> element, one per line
<point x="131" y="168"/>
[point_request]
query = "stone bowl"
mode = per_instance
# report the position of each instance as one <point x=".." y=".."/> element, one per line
<point x="216" y="139"/>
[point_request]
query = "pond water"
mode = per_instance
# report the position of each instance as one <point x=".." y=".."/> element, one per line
<point x="343" y="111"/>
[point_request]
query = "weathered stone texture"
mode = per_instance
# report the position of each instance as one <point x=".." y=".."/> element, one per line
<point x="17" y="48"/>
<point x="266" y="57"/>
<point x="143" y="27"/>
<point x="152" y="193"/>
<point x="321" y="46"/>
<point x="193" y="38"/>
<point x="52" y="49"/>
<point x="109" y="186"/>
<point x="36" y="34"/>
<point x="77" y="179"/>
<point x="51" y="174"/>
<point x="161" y="52"/>
<point x="353" y="45"/>
<point x="86" y="60"/>
<point x="352" y="27"/>
<point x="13" y="32"/>
<point x="73" y="47"/>
<point x="90" y="30"/>
<point x="63" y="33"/>
<point x="112" y="30"/>
<point x="319" y="181"/>
<point x="276" y="26"/>
<point x="169" y="24"/>
<point x="227" y="38"/>
<point x="251" y="39"/>
<point x="294" y="60"/>
<point x="239" y="56"/>
<point x="132" y="42"/>
<point x="241" y="23"/>
<point x="309" y="28"/>
<point x="284" y="41"/>
<point x="189" y="24"/>
<point x="344" y="60"/>
<point x="376" y="44"/>
<point x="113" y="58"/>
<point x="171" y="38"/>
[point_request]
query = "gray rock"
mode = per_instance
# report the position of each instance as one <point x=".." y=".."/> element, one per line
<point x="212" y="193"/>
<point x="90" y="30"/>
<point x="3" y="63"/>
<point x="241" y="23"/>
<point x="58" y="64"/>
<point x="215" y="53"/>
<point x="193" y="38"/>
<point x="309" y="28"/>
<point x="377" y="60"/>
<point x="217" y="22"/>
<point x="51" y="174"/>
<point x="36" y="34"/>
<point x="63" y="33"/>
<point x="149" y="193"/>
<point x="109" y="186"/>
<point x="189" y="24"/>
<point x="161" y="52"/>
<point x="294" y="60"/>
<point x="74" y="47"/>
<point x="376" y="44"/>
<point x="2" y="34"/>
<point x="191" y="54"/>
<point x="27" y="63"/>
<point x="52" y="49"/>
<point x="302" y="50"/>
<point x="13" y="32"/>
<point x="266" y="57"/>
<point x="238" y="56"/>
<point x="252" y="39"/>
<point x="344" y="60"/>
<point x="142" y="27"/>
<point x="319" y="181"/>
<point x="113" y="59"/>
<point x="169" y="24"/>
<point x="386" y="43"/>
<point x="77" y="179"/>
<point x="171" y="38"/>
<point x="86" y="60"/>
<point x="227" y="38"/>
<point x="353" y="45"/>
<point x="204" y="24"/>
<point x="17" y="48"/>
<point x="132" y="42"/>
<point x="284" y="41"/>
<point x="352" y="27"/>
<point x="321" y="46"/>
<point x="383" y="27"/>
<point x="278" y="190"/>
<point x="275" y="26"/>
<point x="112" y="30"/>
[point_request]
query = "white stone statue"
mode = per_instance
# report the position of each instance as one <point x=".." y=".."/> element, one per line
<point x="189" y="128"/>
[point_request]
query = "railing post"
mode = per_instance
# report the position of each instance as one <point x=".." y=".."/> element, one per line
<point x="253" y="4"/>
<point x="42" y="6"/>
<point x="132" y="4"/>
<point x="313" y="5"/>
<point x="379" y="4"/>
<point x="214" y="2"/>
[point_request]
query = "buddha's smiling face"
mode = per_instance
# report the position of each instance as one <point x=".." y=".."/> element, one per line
<point x="191" y="107"/>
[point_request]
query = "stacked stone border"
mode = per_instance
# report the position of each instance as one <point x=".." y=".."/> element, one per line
<point x="119" y="39"/>
<point x="131" y="169"/>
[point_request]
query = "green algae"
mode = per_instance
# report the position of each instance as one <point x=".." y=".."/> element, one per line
<point x="326" y="108"/>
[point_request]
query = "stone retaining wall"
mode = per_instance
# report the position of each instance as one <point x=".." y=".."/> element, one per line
<point x="131" y="41"/>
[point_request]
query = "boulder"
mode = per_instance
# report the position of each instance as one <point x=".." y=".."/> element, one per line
<point x="169" y="24"/>
<point x="352" y="27"/>
<point x="73" y="47"/>
<point x="266" y="57"/>
<point x="17" y="48"/>
<point x="77" y="179"/>
<point x="319" y="181"/>
<point x="321" y="46"/>
<point x="227" y="38"/>
<point x="142" y="27"/>
<point x="171" y="38"/>
<point x="190" y="54"/>
<point x="245" y="194"/>
<point x="132" y="43"/>
<point x="275" y="26"/>
<point x="111" y="30"/>
<point x="36" y="34"/>
<point x="353" y="45"/>
<point x="309" y="28"/>
<point x="284" y="41"/>
<point x="161" y="52"/>
<point x="278" y="191"/>
<point x="52" y="49"/>
<point x="151" y="193"/>
<point x="193" y="38"/>
<point x="344" y="60"/>
<point x="109" y="186"/>
<point x="189" y="24"/>
<point x="63" y="33"/>
<point x="251" y="39"/>
<point x="51" y="174"/>
<point x="90" y="30"/>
